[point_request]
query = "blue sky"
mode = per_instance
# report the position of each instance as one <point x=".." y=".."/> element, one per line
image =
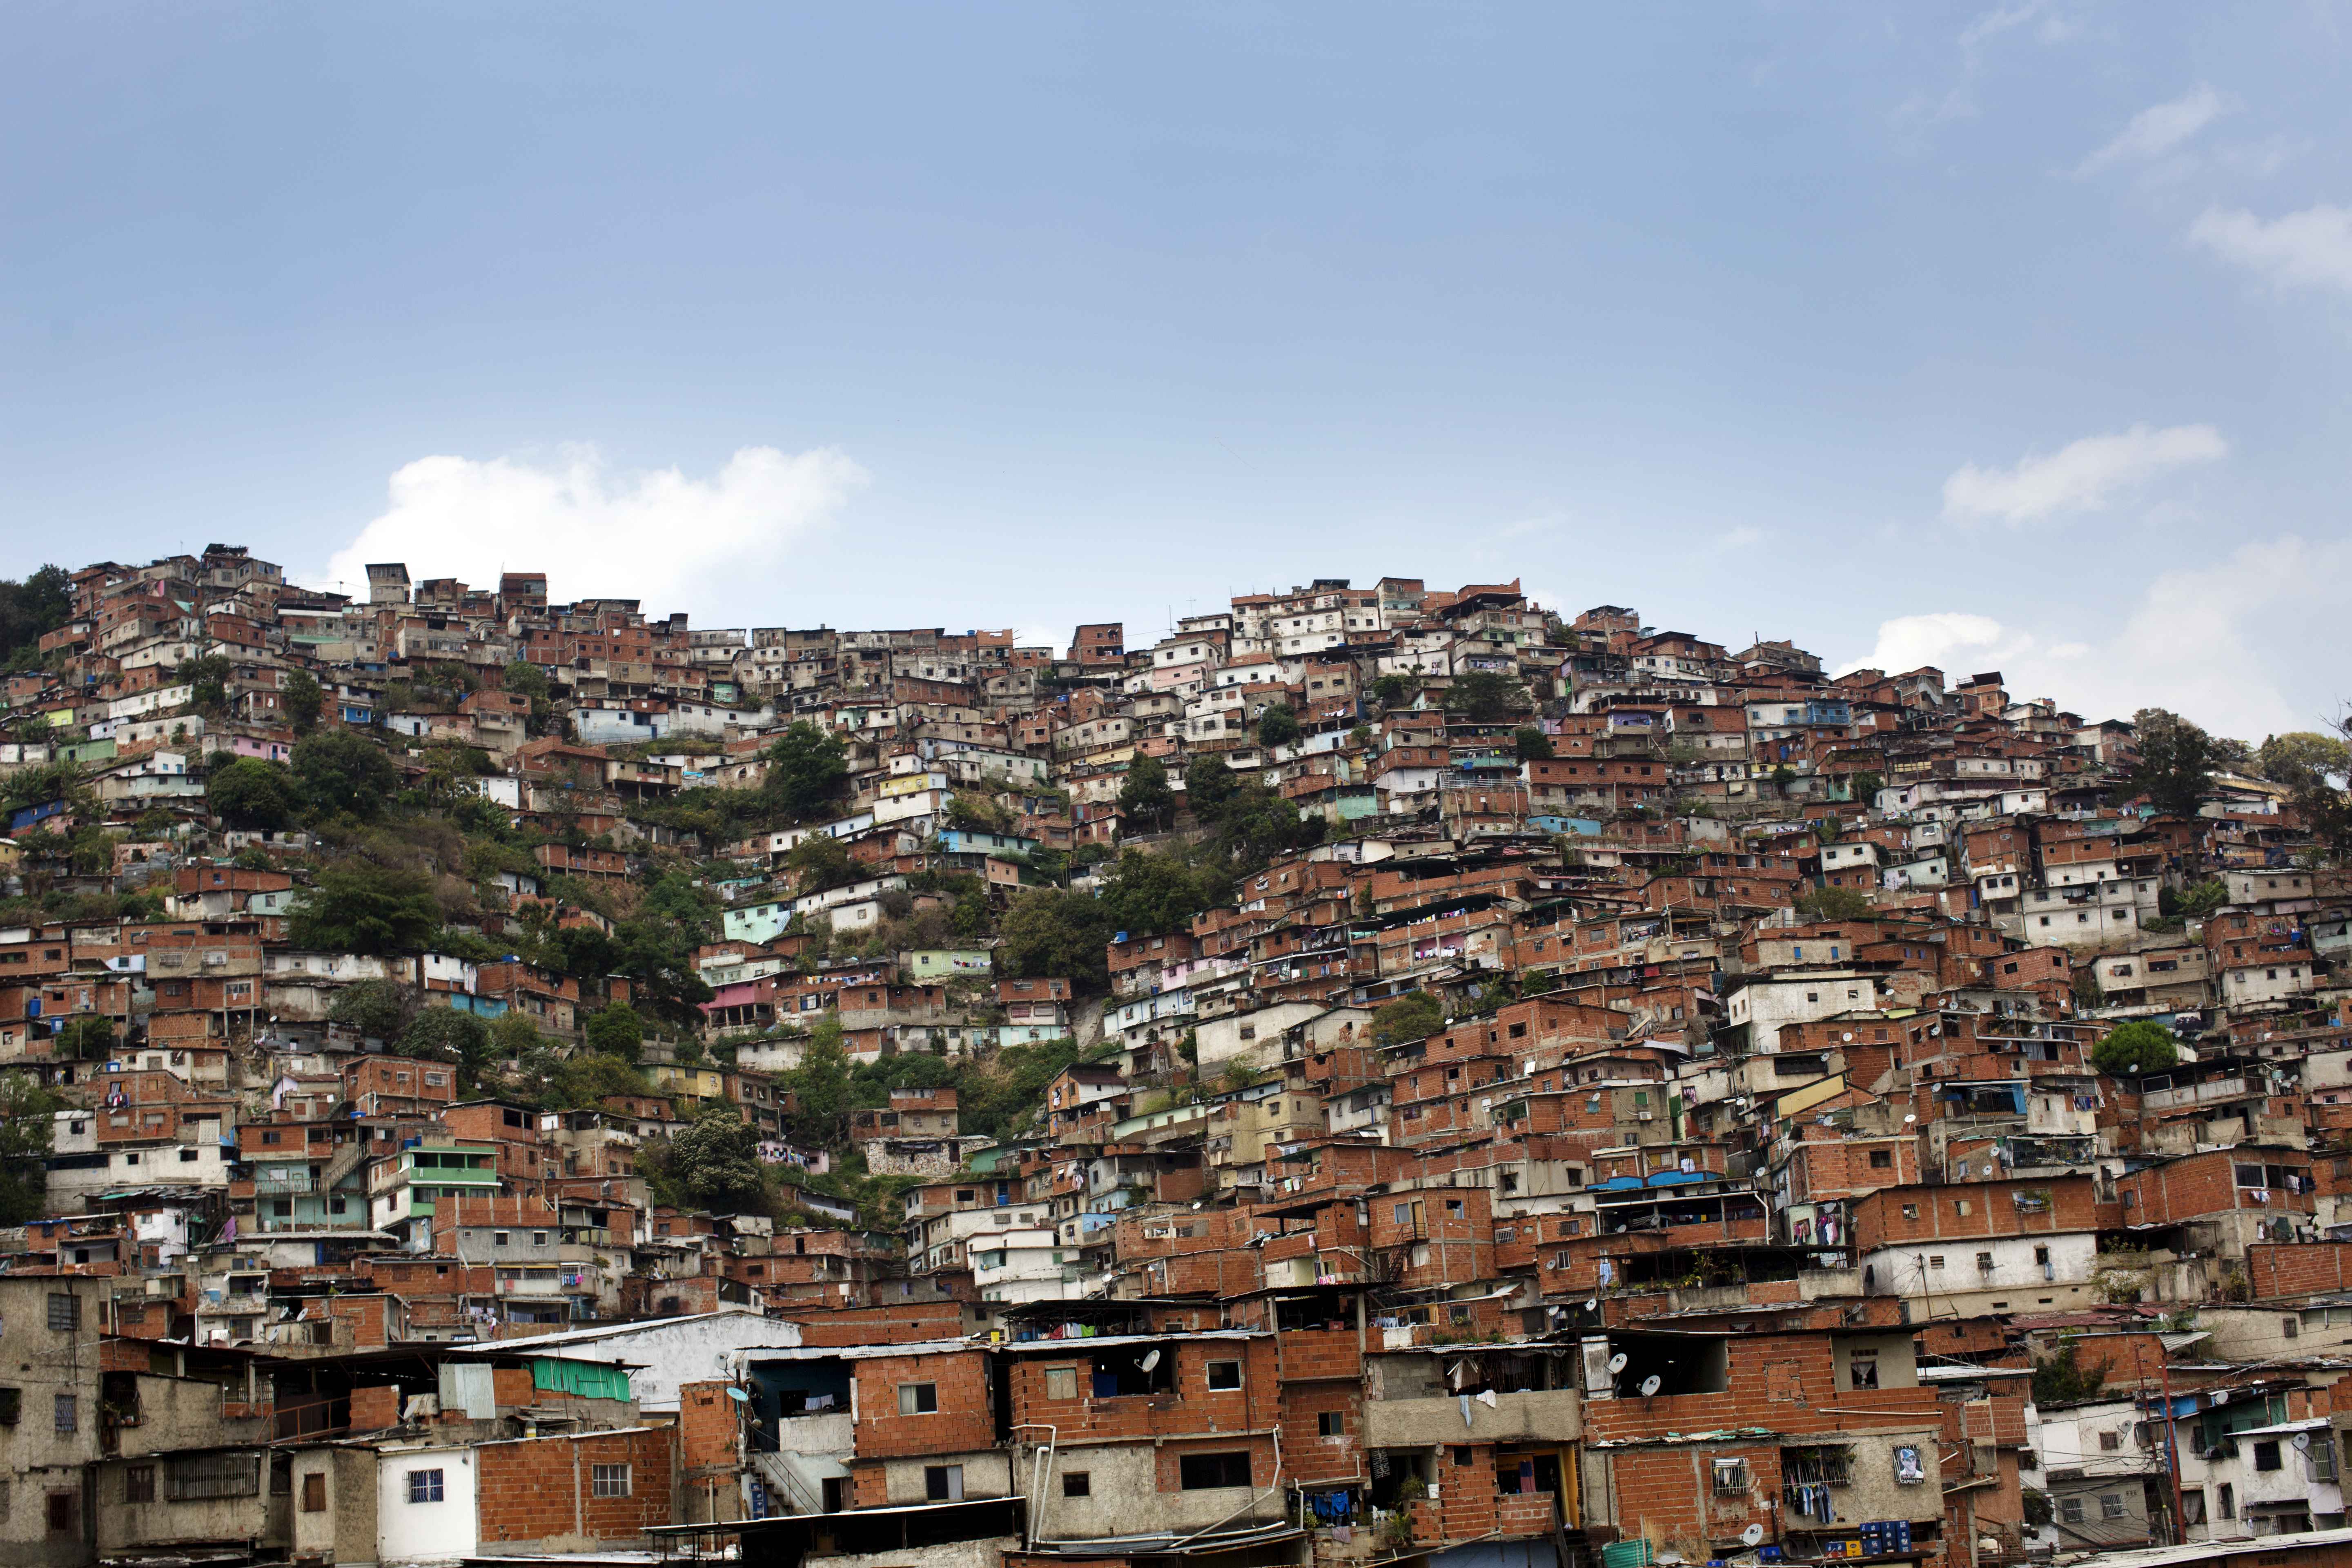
<point x="2009" y="335"/>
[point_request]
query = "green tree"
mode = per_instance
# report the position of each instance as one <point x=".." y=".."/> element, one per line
<point x="1534" y="745"/>
<point x="378" y="1009"/>
<point x="526" y="679"/>
<point x="1209" y="784"/>
<point x="1054" y="931"/>
<point x="27" y="1126"/>
<point x="615" y="1030"/>
<point x="302" y="699"/>
<point x="819" y="862"/>
<point x="247" y="793"/>
<point x="444" y="1034"/>
<point x="1392" y="690"/>
<point x="361" y="908"/>
<point x="30" y="610"/>
<point x="715" y="1158"/>
<point x="2061" y="1378"/>
<point x="1827" y="903"/>
<point x="2176" y="763"/>
<point x="1415" y="1016"/>
<point x="1278" y="725"/>
<point x="1144" y="797"/>
<point x="820" y="1087"/>
<point x="2302" y="760"/>
<point x="206" y="680"/>
<point x="2196" y="900"/>
<point x="341" y="771"/>
<point x="1488" y="696"/>
<point x="2135" y="1050"/>
<point x="807" y="768"/>
<point x="1150" y="894"/>
<point x="1258" y="825"/>
<point x="87" y="1037"/>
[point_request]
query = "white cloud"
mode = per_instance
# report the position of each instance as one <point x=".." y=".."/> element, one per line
<point x="2158" y="128"/>
<point x="1740" y="538"/>
<point x="2080" y="476"/>
<point x="653" y="535"/>
<point x="2312" y="247"/>
<point x="2218" y="642"/>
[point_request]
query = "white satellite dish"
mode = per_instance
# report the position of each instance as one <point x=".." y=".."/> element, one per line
<point x="2301" y="1441"/>
<point x="1752" y="1534"/>
<point x="1649" y="1386"/>
<point x="1909" y="1119"/>
<point x="1617" y="1361"/>
<point x="1592" y="1304"/>
<point x="1151" y="1360"/>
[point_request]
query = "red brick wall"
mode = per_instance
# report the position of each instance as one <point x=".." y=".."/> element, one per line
<point x="1879" y="1219"/>
<point x="891" y="1325"/>
<point x="373" y="1409"/>
<point x="708" y="1426"/>
<point x="2299" y="1270"/>
<point x="961" y="1424"/>
<point x="534" y="1489"/>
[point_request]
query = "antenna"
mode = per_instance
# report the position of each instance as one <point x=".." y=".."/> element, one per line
<point x="1649" y="1386"/>
<point x="1617" y="1361"/>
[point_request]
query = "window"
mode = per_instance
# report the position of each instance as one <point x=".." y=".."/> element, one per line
<point x="2111" y="1505"/>
<point x="1862" y="1367"/>
<point x="917" y="1398"/>
<point x="941" y="1483"/>
<point x="314" y="1492"/>
<point x="2266" y="1455"/>
<point x="1076" y="1483"/>
<point x="2070" y="1509"/>
<point x="1224" y="1374"/>
<point x="1910" y="1211"/>
<point x="2110" y="1441"/>
<point x="1730" y="1477"/>
<point x="138" y="1483"/>
<point x="609" y="1480"/>
<point x="205" y="1477"/>
<point x="1061" y="1382"/>
<point x="68" y="1412"/>
<point x="425" y="1485"/>
<point x="2227" y="1500"/>
<point x="1881" y="1159"/>
<point x="2290" y="1327"/>
<point x="12" y="1406"/>
<point x="1331" y="1423"/>
<point x="1204" y="1472"/>
<point x="64" y="1514"/>
<point x="498" y="1238"/>
<point x="65" y="1313"/>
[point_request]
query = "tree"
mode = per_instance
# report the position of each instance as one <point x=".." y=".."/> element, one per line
<point x="1390" y="690"/>
<point x="359" y="908"/>
<point x="1534" y="745"/>
<point x="818" y="862"/>
<point x="30" y="610"/>
<point x="301" y="698"/>
<point x="1826" y="903"/>
<point x="2060" y="1378"/>
<point x="1153" y="894"/>
<point x="1415" y="1016"/>
<point x="88" y="1037"/>
<point x="715" y="1159"/>
<point x="249" y="794"/>
<point x="1144" y="797"/>
<point x="1866" y="785"/>
<point x="444" y="1034"/>
<point x="615" y="1031"/>
<point x="27" y="1126"/>
<point x="525" y="678"/>
<point x="1209" y="784"/>
<point x="1278" y="725"/>
<point x="2302" y="760"/>
<point x="378" y="1009"/>
<point x="1258" y="824"/>
<point x="1051" y="931"/>
<point x="2196" y="900"/>
<point x="2176" y="763"/>
<point x="2135" y="1050"/>
<point x="1488" y="696"/>
<point x="206" y="680"/>
<point x="340" y="771"/>
<point x="807" y="768"/>
<point x="819" y="1086"/>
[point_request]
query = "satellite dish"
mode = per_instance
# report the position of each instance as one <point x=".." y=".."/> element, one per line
<point x="2301" y="1441"/>
<point x="1592" y="1304"/>
<point x="1752" y="1534"/>
<point x="1151" y="1360"/>
<point x="738" y="1395"/>
<point x="1909" y="1119"/>
<point x="1617" y="1361"/>
<point x="1649" y="1386"/>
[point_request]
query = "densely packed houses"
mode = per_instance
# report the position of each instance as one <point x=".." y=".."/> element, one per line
<point x="1374" y="1073"/>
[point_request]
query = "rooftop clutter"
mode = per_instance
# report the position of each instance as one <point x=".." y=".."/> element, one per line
<point x="1375" y="1073"/>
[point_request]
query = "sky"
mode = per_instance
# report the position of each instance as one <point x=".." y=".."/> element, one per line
<point x="2009" y="336"/>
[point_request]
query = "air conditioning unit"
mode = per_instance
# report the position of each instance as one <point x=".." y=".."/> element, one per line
<point x="1645" y="1116"/>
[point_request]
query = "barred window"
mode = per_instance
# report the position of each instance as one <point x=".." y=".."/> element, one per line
<point x="610" y="1480"/>
<point x="208" y="1475"/>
